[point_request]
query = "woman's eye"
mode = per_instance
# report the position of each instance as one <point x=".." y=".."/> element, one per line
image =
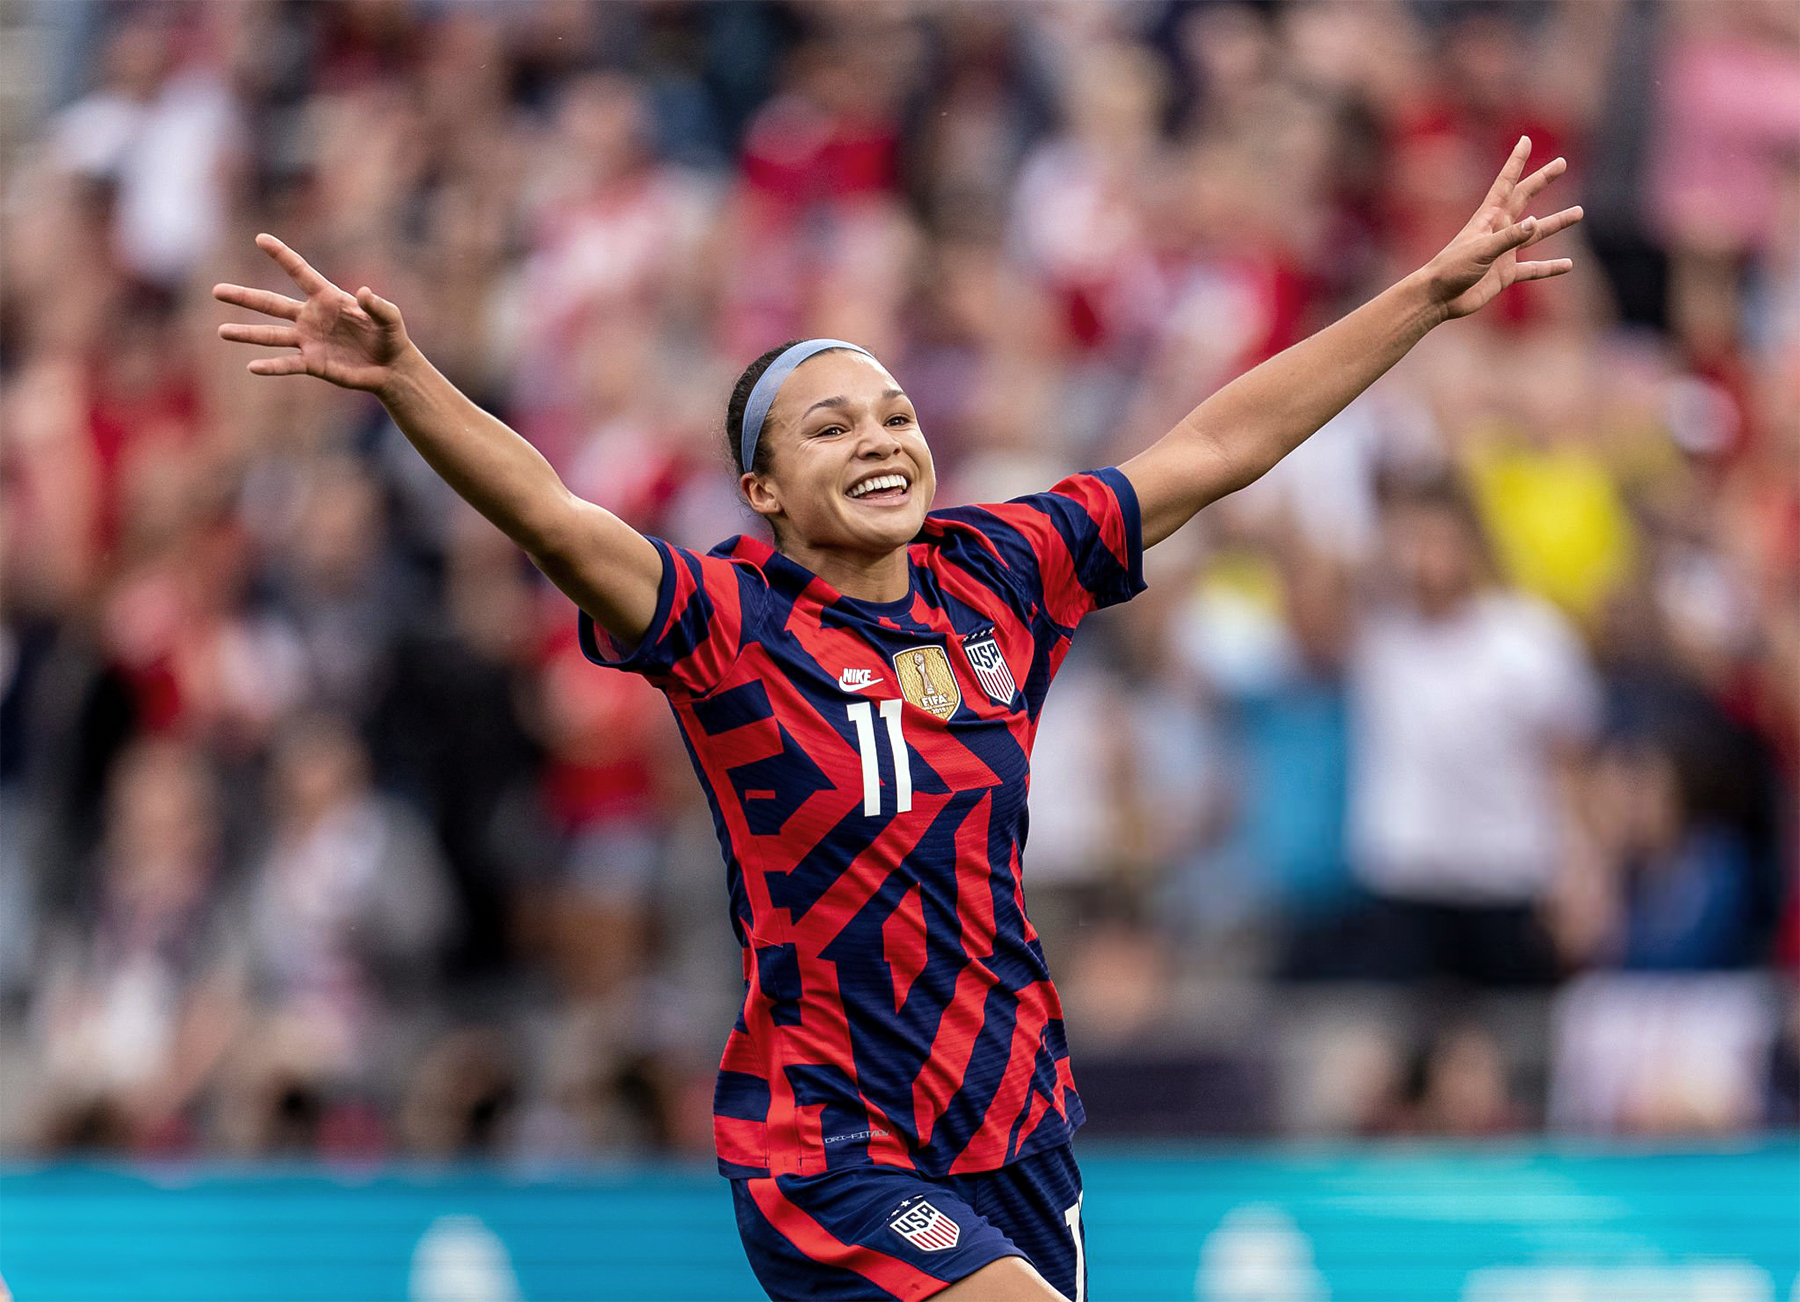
<point x="901" y="417"/>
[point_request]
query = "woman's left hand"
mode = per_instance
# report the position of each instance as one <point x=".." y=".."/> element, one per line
<point x="1483" y="259"/>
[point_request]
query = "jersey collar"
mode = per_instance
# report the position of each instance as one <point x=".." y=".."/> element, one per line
<point x="791" y="579"/>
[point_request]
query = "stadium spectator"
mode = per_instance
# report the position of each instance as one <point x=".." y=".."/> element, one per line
<point x="1682" y="889"/>
<point x="137" y="1000"/>
<point x="346" y="914"/>
<point x="456" y="729"/>
<point x="1471" y="707"/>
<point x="160" y="135"/>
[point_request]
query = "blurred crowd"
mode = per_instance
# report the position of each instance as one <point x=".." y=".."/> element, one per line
<point x="1441" y="783"/>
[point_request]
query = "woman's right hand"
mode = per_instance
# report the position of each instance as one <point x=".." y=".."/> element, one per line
<point x="603" y="564"/>
<point x="355" y="341"/>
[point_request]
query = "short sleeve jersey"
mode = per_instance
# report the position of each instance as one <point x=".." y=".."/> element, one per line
<point x="866" y="764"/>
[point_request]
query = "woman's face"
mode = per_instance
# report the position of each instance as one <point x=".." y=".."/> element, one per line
<point x="848" y="467"/>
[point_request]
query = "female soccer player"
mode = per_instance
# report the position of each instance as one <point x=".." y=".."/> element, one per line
<point x="894" y="1107"/>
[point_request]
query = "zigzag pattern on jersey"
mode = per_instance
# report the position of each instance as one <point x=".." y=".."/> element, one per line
<point x="927" y="1070"/>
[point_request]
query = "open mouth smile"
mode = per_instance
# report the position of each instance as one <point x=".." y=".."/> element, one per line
<point x="888" y="486"/>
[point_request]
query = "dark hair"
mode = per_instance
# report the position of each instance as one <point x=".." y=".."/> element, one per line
<point x="1444" y="492"/>
<point x="1431" y="489"/>
<point x="740" y="399"/>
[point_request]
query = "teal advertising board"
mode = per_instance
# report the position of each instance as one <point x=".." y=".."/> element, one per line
<point x="1354" y="1225"/>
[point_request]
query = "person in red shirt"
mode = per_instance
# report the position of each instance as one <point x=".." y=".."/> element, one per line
<point x="858" y="699"/>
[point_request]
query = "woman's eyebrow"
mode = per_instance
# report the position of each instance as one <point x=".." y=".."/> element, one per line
<point x="841" y="401"/>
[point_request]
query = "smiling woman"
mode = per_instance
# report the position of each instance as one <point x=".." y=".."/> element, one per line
<point x="859" y="700"/>
<point x="861" y="442"/>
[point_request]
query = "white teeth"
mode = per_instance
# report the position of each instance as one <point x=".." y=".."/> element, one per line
<point x="877" y="483"/>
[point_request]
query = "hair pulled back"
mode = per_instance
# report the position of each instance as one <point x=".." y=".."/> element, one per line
<point x="740" y="399"/>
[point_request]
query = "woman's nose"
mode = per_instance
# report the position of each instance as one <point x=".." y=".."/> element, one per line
<point x="878" y="439"/>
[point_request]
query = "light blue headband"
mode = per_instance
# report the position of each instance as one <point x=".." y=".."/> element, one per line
<point x="768" y="384"/>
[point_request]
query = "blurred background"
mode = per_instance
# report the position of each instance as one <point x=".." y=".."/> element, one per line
<point x="1441" y="787"/>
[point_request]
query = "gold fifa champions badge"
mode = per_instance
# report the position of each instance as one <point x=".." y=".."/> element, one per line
<point x="927" y="680"/>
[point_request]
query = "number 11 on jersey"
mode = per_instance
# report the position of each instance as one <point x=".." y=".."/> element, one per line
<point x="864" y="719"/>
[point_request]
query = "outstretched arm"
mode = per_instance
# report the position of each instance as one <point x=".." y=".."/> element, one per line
<point x="359" y="342"/>
<point x="1236" y="435"/>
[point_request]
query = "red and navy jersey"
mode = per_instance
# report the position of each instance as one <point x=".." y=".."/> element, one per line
<point x="866" y="764"/>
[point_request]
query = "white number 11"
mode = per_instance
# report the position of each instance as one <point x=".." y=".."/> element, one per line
<point x="864" y="719"/>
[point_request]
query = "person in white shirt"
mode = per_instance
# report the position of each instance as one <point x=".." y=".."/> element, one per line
<point x="1471" y="704"/>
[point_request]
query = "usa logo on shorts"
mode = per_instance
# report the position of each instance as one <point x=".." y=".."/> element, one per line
<point x="990" y="666"/>
<point x="926" y="1228"/>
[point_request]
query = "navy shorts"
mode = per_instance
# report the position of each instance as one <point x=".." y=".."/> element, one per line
<point x="881" y="1232"/>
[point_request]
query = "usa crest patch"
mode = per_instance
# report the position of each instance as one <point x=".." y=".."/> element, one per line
<point x="983" y="651"/>
<point x="926" y="1228"/>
